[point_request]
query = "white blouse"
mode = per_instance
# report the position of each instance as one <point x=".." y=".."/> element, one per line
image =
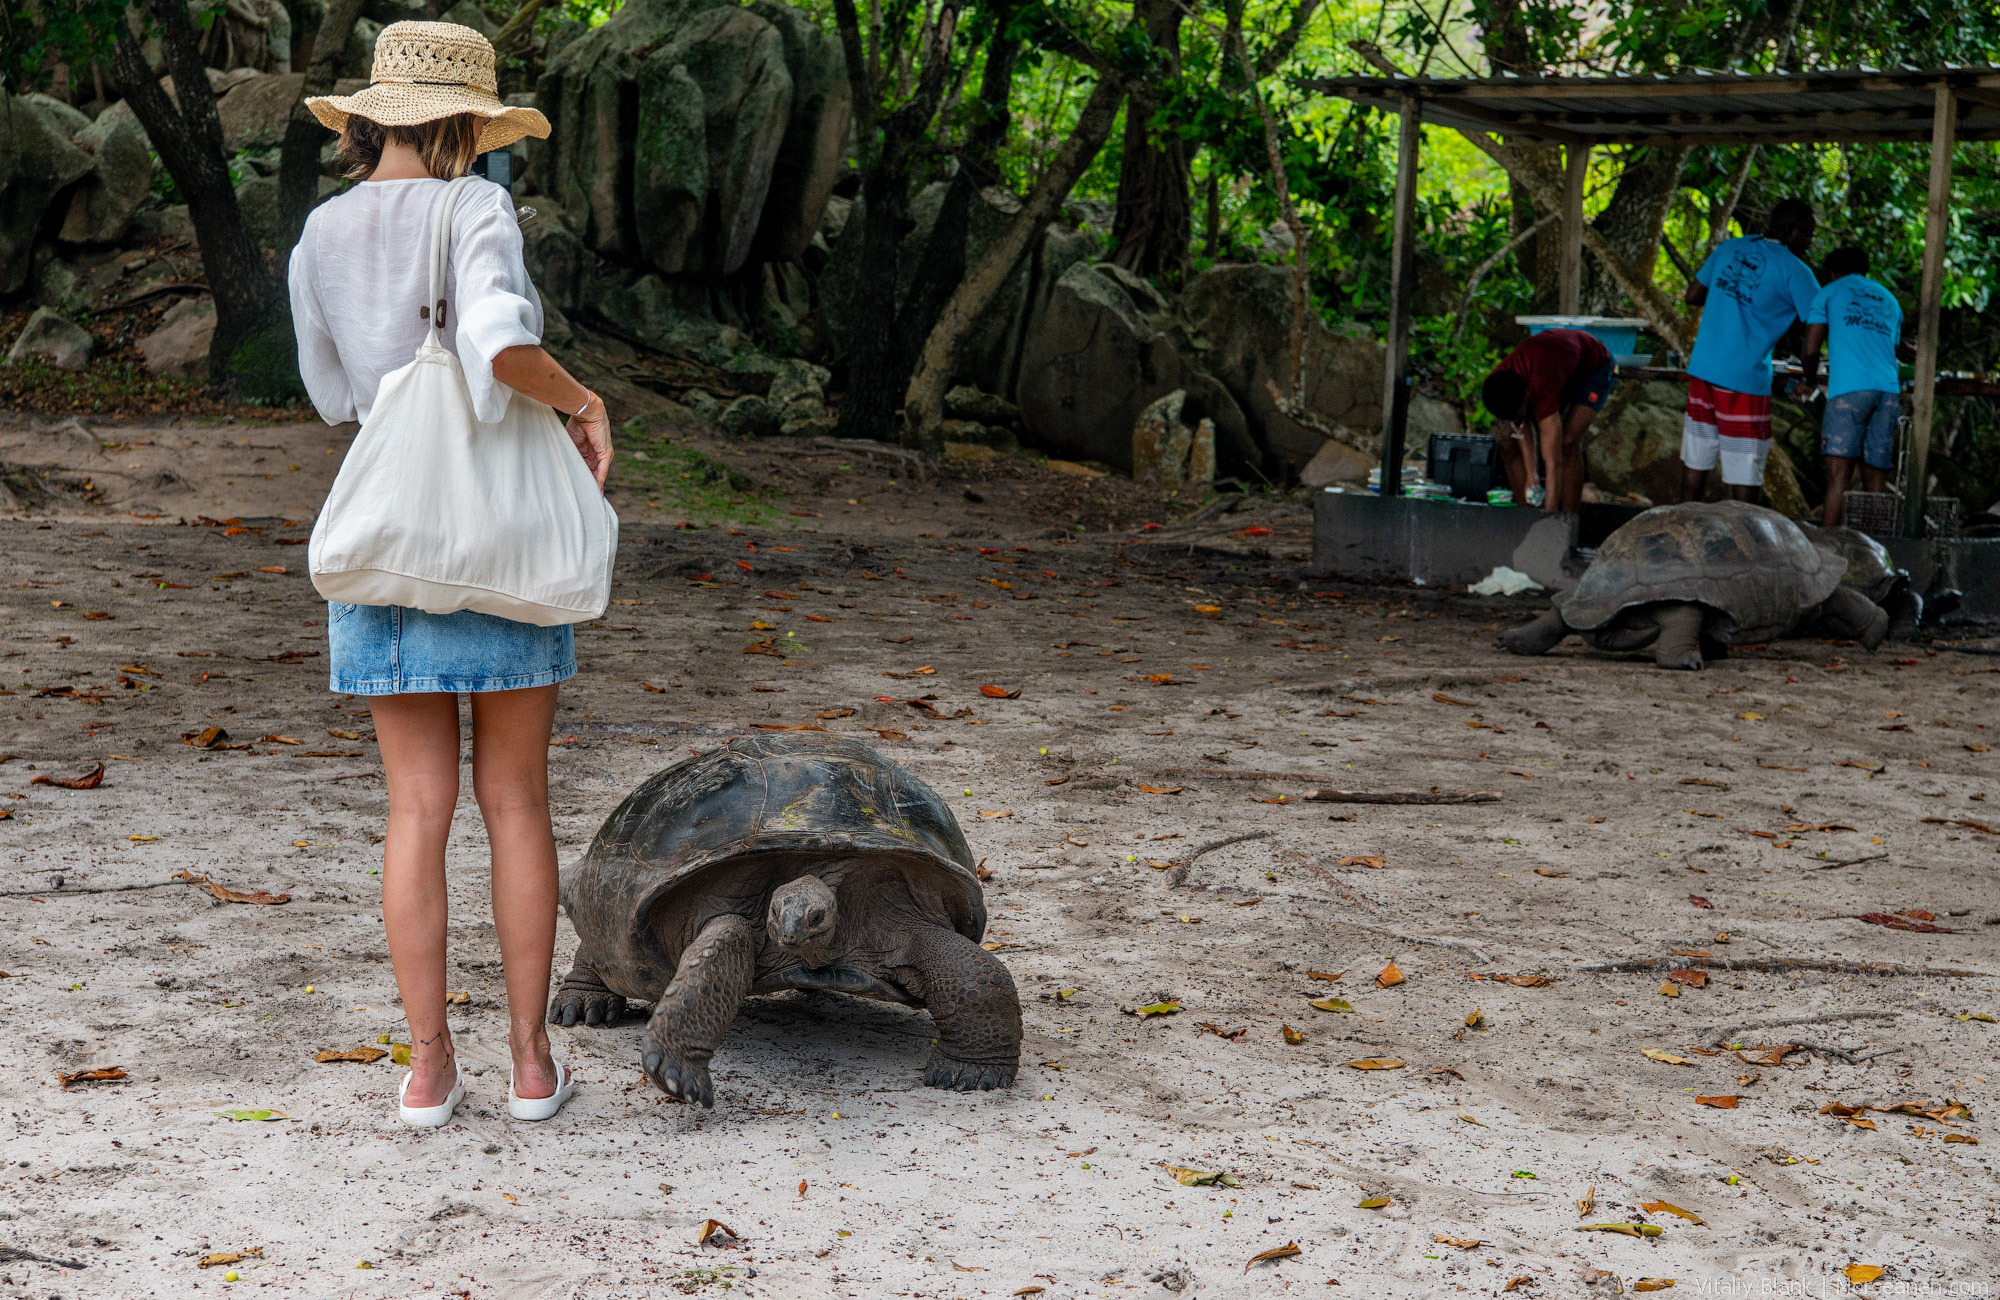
<point x="360" y="274"/>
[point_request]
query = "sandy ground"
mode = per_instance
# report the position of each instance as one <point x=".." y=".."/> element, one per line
<point x="1643" y="817"/>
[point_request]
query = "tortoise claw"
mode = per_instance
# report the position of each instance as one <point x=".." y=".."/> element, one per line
<point x="591" y="1006"/>
<point x="683" y="1080"/>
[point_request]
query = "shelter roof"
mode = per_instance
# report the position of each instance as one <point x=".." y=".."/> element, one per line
<point x="1858" y="104"/>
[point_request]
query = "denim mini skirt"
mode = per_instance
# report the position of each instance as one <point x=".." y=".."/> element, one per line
<point x="390" y="650"/>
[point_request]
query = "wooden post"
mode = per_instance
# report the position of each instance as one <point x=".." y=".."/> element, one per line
<point x="1402" y="285"/>
<point x="1944" y="134"/>
<point x="1569" y="296"/>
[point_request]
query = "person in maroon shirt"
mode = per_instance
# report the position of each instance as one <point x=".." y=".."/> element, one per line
<point x="1555" y="382"/>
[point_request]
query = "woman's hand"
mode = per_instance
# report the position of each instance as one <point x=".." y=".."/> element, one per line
<point x="590" y="430"/>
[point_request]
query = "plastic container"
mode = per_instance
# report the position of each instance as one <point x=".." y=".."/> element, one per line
<point x="1465" y="463"/>
<point x="1499" y="496"/>
<point x="1619" y="334"/>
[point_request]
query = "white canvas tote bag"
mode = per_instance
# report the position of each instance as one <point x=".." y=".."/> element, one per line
<point x="433" y="510"/>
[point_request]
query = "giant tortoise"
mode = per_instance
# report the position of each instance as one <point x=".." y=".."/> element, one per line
<point x="793" y="861"/>
<point x="1693" y="577"/>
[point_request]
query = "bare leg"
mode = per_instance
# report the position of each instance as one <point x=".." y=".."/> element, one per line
<point x="1575" y="424"/>
<point x="419" y="739"/>
<point x="1694" y="484"/>
<point x="1744" y="492"/>
<point x="971" y="998"/>
<point x="510" y="778"/>
<point x="715" y="975"/>
<point x="1839" y="469"/>
<point x="1538" y="637"/>
<point x="1679" y="645"/>
<point x="1513" y="460"/>
<point x="1874" y="480"/>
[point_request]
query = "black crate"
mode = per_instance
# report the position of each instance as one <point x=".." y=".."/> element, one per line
<point x="1464" y="462"/>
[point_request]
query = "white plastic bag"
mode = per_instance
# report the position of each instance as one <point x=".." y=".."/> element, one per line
<point x="433" y="510"/>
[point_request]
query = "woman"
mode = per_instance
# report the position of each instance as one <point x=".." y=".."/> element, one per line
<point x="358" y="283"/>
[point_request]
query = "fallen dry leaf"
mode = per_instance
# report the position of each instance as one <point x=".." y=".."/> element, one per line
<point x="1187" y="1177"/>
<point x="1389" y="976"/>
<point x="1895" y="922"/>
<point x="1360" y="860"/>
<point x="831" y="714"/>
<point x="222" y="1257"/>
<point x="1720" y="1103"/>
<point x="1652" y="1284"/>
<point x="1292" y="1036"/>
<point x="1665" y="1058"/>
<point x="359" y="1055"/>
<point x="992" y="814"/>
<point x="1000" y="693"/>
<point x="1589" y="1201"/>
<point x="1516" y="1284"/>
<point x="1150" y="789"/>
<point x="1625" y="1229"/>
<point x="1167" y="1008"/>
<point x="88" y="781"/>
<point x="1031" y="1290"/>
<point x="260" y="897"/>
<point x="1670" y="990"/>
<point x="1863" y="1274"/>
<point x="1477" y="1020"/>
<point x="1275" y="1253"/>
<point x="1693" y="978"/>
<point x="1470" y="1119"/>
<point x="1667" y="1207"/>
<point x="1373" y="1203"/>
<point x="1323" y="975"/>
<point x="716" y="1228"/>
<point x="1376" y="1063"/>
<point x="1553" y="875"/>
<point x="110" y="1074"/>
<point x="1330" y="1004"/>
<point x="1463" y="1243"/>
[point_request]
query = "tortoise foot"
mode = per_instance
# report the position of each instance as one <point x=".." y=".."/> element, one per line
<point x="967" y="1076"/>
<point x="581" y="997"/>
<point x="678" y="1072"/>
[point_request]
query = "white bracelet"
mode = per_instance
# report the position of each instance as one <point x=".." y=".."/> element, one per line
<point x="588" y="398"/>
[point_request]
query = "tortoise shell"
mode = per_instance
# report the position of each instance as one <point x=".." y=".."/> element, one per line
<point x="1871" y="570"/>
<point x="736" y="822"/>
<point x="1750" y="564"/>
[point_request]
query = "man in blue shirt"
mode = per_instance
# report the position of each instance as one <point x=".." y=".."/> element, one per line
<point x="1751" y="289"/>
<point x="1863" y="322"/>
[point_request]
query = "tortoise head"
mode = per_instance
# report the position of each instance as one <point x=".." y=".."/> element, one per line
<point x="802" y="918"/>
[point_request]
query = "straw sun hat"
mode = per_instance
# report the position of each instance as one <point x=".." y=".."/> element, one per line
<point x="427" y="71"/>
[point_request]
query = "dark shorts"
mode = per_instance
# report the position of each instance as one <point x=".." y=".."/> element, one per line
<point x="1596" y="390"/>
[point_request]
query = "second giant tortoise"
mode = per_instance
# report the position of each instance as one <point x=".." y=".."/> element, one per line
<point x="1699" y="577"/>
<point x="794" y="861"/>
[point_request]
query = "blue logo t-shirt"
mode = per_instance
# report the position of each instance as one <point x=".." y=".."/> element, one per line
<point x="1756" y="288"/>
<point x="1863" y="322"/>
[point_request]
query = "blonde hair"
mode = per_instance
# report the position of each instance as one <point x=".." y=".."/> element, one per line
<point x="448" y="146"/>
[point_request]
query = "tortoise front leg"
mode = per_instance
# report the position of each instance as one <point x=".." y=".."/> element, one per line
<point x="971" y="998"/>
<point x="715" y="975"/>
<point x="583" y="996"/>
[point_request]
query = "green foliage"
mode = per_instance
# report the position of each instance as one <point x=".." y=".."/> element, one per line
<point x="38" y="35"/>
<point x="693" y="485"/>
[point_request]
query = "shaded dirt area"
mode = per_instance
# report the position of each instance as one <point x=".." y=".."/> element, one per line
<point x="1140" y="805"/>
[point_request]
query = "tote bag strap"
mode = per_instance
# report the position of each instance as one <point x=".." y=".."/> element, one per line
<point x="441" y="255"/>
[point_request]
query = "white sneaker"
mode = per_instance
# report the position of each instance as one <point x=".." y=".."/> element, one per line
<point x="431" y="1116"/>
<point x="541" y="1107"/>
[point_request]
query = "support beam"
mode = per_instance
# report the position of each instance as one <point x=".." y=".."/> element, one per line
<point x="1569" y="296"/>
<point x="1944" y="131"/>
<point x="1402" y="286"/>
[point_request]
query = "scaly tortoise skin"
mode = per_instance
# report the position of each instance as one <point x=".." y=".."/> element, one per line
<point x="793" y="861"/>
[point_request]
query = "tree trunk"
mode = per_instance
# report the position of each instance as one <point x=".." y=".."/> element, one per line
<point x="254" y="351"/>
<point x="876" y="373"/>
<point x="1151" y="224"/>
<point x="923" y="407"/>
<point x="298" y="159"/>
<point x="1633" y="220"/>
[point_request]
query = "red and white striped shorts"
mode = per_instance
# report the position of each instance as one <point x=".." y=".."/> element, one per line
<point x="1723" y="425"/>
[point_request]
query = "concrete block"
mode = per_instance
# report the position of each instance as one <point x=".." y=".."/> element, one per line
<point x="1435" y="543"/>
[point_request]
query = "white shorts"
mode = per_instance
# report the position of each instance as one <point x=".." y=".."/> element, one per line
<point x="1746" y="445"/>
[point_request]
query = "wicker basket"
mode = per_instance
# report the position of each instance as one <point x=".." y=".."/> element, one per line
<point x="1880" y="514"/>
